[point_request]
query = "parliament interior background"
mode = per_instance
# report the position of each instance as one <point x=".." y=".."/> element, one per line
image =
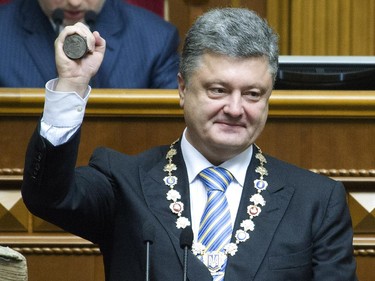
<point x="330" y="132"/>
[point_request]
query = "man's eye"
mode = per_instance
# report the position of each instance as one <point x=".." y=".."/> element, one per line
<point x="254" y="95"/>
<point x="217" y="90"/>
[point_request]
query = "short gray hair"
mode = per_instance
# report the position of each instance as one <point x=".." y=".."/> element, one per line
<point x="233" y="32"/>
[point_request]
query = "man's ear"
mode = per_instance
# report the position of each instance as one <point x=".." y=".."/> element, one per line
<point x="181" y="89"/>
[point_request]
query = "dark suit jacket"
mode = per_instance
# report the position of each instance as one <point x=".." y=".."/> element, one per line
<point x="141" y="47"/>
<point x="303" y="232"/>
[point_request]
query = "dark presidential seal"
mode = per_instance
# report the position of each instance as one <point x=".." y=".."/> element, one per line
<point x="75" y="46"/>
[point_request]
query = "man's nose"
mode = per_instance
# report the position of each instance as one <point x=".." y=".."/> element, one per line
<point x="234" y="105"/>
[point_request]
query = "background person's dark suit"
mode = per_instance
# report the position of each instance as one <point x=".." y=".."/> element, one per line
<point x="141" y="47"/>
<point x="302" y="233"/>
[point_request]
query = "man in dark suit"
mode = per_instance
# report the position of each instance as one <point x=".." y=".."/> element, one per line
<point x="274" y="221"/>
<point x="141" y="46"/>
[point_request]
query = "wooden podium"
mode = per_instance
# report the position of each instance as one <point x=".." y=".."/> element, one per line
<point x="329" y="132"/>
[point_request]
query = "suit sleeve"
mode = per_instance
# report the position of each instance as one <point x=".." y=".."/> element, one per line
<point x="78" y="200"/>
<point x="333" y="251"/>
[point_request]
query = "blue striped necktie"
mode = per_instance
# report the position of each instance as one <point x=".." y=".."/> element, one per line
<point x="215" y="229"/>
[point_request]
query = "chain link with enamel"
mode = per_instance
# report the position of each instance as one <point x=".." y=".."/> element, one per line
<point x="253" y="210"/>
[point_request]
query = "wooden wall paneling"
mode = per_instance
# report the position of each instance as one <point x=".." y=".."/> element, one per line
<point x="58" y="257"/>
<point x="365" y="269"/>
<point x="344" y="28"/>
<point x="13" y="214"/>
<point x="320" y="17"/>
<point x="332" y="27"/>
<point x="179" y="15"/>
<point x="363" y="27"/>
<point x="278" y="16"/>
<point x="259" y="6"/>
<point x="281" y="137"/>
<point x="317" y="27"/>
<point x="315" y="143"/>
<point x="361" y="202"/>
<point x="371" y="27"/>
<point x="52" y="267"/>
<point x="15" y="130"/>
<point x="302" y="25"/>
<point x="326" y="27"/>
<point x="183" y="13"/>
<point x="125" y="123"/>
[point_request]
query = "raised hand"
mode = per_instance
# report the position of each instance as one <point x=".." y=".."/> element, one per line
<point x="74" y="75"/>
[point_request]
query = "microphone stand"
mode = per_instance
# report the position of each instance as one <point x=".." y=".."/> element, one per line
<point x="148" y="238"/>
<point x="147" y="278"/>
<point x="185" y="263"/>
<point x="186" y="241"/>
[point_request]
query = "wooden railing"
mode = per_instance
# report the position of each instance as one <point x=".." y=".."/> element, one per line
<point x="158" y="103"/>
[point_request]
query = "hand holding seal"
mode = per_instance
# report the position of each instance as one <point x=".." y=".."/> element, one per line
<point x="73" y="42"/>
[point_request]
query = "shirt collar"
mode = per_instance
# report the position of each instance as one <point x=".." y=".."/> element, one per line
<point x="196" y="162"/>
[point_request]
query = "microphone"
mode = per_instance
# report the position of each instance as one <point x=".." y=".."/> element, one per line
<point x="148" y="239"/>
<point x="57" y="18"/>
<point x="90" y="19"/>
<point x="186" y="241"/>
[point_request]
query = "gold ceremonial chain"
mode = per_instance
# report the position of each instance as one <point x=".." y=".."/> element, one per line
<point x="253" y="210"/>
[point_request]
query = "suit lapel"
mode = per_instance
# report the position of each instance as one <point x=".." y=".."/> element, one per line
<point x="246" y="262"/>
<point x="39" y="39"/>
<point x="155" y="191"/>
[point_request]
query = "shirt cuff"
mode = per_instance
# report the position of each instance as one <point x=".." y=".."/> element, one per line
<point x="63" y="109"/>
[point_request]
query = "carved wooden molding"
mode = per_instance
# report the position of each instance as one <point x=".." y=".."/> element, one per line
<point x="364" y="252"/>
<point x="165" y="103"/>
<point x="11" y="171"/>
<point x="95" y="251"/>
<point x="345" y="172"/>
<point x="352" y="178"/>
<point x="15" y="174"/>
<point x="66" y="251"/>
<point x="11" y="175"/>
<point x="364" y="246"/>
<point x="326" y="172"/>
<point x="73" y="245"/>
<point x="50" y="244"/>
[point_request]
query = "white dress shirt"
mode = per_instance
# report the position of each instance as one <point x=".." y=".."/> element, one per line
<point x="195" y="163"/>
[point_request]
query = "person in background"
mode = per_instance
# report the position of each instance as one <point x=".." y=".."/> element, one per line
<point x="142" y="48"/>
<point x="252" y="217"/>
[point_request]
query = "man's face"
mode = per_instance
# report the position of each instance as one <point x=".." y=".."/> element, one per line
<point x="225" y="104"/>
<point x="74" y="10"/>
